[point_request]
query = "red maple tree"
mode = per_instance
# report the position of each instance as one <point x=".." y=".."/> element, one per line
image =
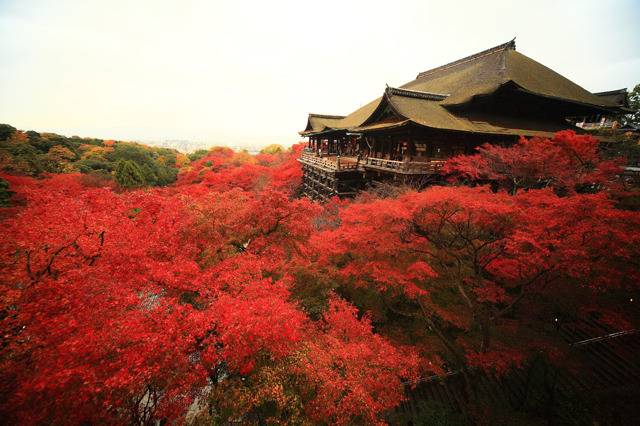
<point x="226" y="297"/>
<point x="567" y="162"/>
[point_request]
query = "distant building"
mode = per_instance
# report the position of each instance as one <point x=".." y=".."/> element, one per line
<point x="406" y="134"/>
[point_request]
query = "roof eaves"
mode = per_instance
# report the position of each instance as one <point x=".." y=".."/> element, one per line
<point x="324" y="131"/>
<point x="381" y="126"/>
<point x="612" y="92"/>
<point x="609" y="108"/>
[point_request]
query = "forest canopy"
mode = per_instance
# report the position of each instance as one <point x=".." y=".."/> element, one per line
<point x="204" y="290"/>
<point x="32" y="153"/>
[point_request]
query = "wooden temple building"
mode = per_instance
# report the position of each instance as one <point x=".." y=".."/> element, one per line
<point x="406" y="134"/>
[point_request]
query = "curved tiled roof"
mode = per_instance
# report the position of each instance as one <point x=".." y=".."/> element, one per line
<point x="355" y="119"/>
<point x="321" y="122"/>
<point x="433" y="115"/>
<point x="485" y="72"/>
<point x="426" y="100"/>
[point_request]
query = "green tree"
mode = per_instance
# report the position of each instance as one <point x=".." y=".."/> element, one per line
<point x="24" y="157"/>
<point x="58" y="159"/>
<point x="198" y="154"/>
<point x="94" y="163"/>
<point x="36" y="140"/>
<point x="634" y="104"/>
<point x="166" y="175"/>
<point x="149" y="174"/>
<point x="131" y="152"/>
<point x="5" y="193"/>
<point x="129" y="174"/>
<point x="31" y="153"/>
<point x="6" y="131"/>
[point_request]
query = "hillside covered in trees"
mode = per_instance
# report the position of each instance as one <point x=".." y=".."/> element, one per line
<point x="140" y="285"/>
<point x="130" y="164"/>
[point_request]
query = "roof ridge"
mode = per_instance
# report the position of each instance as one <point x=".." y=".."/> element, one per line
<point x="415" y="94"/>
<point x="510" y="45"/>
<point x="326" y="116"/>
<point x="611" y="92"/>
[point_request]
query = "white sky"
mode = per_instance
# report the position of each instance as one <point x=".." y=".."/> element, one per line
<point x="247" y="73"/>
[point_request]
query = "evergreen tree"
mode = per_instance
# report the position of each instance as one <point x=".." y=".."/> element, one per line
<point x="5" y="193"/>
<point x="634" y="103"/>
<point x="166" y="175"/>
<point x="149" y="174"/>
<point x="129" y="174"/>
<point x="6" y="131"/>
<point x="198" y="154"/>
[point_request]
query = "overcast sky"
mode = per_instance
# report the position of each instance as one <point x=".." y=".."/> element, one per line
<point x="247" y="73"/>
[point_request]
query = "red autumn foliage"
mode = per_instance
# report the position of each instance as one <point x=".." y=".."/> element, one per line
<point x="356" y="373"/>
<point x="479" y="253"/>
<point x="254" y="321"/>
<point x="567" y="162"/>
<point x="219" y="293"/>
<point x="222" y="170"/>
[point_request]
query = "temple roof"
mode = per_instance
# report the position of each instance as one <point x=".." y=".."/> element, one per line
<point x="321" y="122"/>
<point x="486" y="71"/>
<point x="618" y="97"/>
<point x="428" y="100"/>
<point x="410" y="109"/>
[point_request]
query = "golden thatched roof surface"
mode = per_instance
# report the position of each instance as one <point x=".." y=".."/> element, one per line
<point x="424" y="100"/>
<point x="433" y="115"/>
<point x="321" y="122"/>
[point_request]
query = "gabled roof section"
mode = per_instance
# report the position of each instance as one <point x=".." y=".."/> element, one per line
<point x="617" y="97"/>
<point x="360" y="115"/>
<point x="385" y="110"/>
<point x="497" y="49"/>
<point x="485" y="72"/>
<point x="537" y="78"/>
<point x="355" y="119"/>
<point x="612" y="92"/>
<point x="433" y="115"/>
<point x="400" y="107"/>
<point x="429" y="100"/>
<point x="321" y="122"/>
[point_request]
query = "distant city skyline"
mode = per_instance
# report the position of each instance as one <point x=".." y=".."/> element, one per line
<point x="246" y="74"/>
<point x="188" y="146"/>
